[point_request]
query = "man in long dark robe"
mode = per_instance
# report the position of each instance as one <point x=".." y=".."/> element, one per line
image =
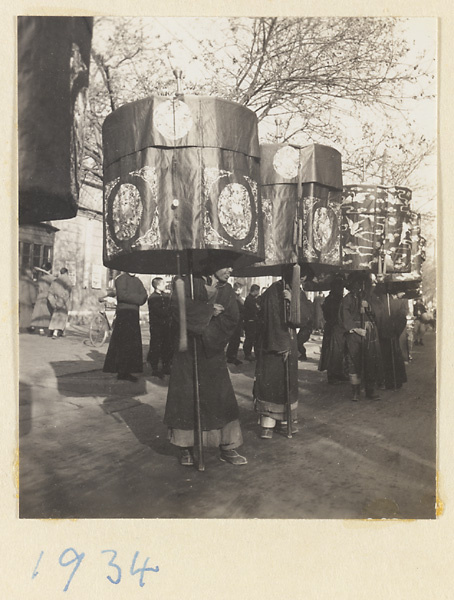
<point x="235" y="340"/>
<point x="363" y="347"/>
<point x="160" y="328"/>
<point x="307" y="320"/>
<point x="419" y="325"/>
<point x="211" y="319"/>
<point x="124" y="355"/>
<point x="392" y="323"/>
<point x="332" y="357"/>
<point x="250" y="316"/>
<point x="276" y="344"/>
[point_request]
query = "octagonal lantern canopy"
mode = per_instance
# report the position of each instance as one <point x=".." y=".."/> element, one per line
<point x="376" y="228"/>
<point x="181" y="177"/>
<point x="411" y="280"/>
<point x="301" y="200"/>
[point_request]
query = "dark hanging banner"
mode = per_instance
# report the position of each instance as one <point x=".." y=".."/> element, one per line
<point x="181" y="174"/>
<point x="53" y="73"/>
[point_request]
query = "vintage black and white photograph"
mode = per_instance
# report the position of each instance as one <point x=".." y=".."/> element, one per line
<point x="227" y="267"/>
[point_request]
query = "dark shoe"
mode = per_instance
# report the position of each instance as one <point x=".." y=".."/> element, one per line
<point x="127" y="377"/>
<point x="372" y="395"/>
<point x="186" y="457"/>
<point x="356" y="393"/>
<point x="249" y="358"/>
<point x="302" y="357"/>
<point x="266" y="433"/>
<point x="155" y="373"/>
<point x="282" y="428"/>
<point x="232" y="457"/>
<point x="234" y="361"/>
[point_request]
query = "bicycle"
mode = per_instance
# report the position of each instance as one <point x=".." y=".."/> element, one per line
<point x="100" y="325"/>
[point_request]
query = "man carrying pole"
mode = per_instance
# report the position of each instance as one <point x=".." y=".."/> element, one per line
<point x="363" y="349"/>
<point x="211" y="317"/>
<point x="276" y="376"/>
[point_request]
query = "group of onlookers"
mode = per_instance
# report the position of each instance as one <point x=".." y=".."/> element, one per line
<point x="44" y="300"/>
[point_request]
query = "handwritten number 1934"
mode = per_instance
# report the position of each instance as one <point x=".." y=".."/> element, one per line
<point x="71" y="557"/>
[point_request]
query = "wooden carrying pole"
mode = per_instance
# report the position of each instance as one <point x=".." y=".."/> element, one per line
<point x="362" y="312"/>
<point x="198" y="441"/>
<point x="291" y="315"/>
<point x="392" y="345"/>
<point x="288" y="401"/>
<point x="179" y="290"/>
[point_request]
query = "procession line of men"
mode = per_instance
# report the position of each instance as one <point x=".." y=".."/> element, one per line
<point x="360" y="344"/>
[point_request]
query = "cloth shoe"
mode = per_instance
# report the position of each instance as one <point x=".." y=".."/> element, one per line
<point x="232" y="457"/>
<point x="234" y="361"/>
<point x="266" y="433"/>
<point x="127" y="377"/>
<point x="282" y="428"/>
<point x="186" y="457"/>
<point x="356" y="393"/>
<point x="372" y="395"/>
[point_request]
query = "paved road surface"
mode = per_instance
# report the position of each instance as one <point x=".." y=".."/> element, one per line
<point x="95" y="447"/>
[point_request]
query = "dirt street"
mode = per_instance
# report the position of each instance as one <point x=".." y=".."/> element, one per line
<point x="95" y="447"/>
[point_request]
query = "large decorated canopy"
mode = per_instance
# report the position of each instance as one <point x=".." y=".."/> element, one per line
<point x="181" y="174"/>
<point x="301" y="198"/>
<point x="376" y="228"/>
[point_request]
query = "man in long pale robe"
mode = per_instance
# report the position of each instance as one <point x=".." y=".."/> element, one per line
<point x="42" y="312"/>
<point x="59" y="297"/>
<point x="27" y="298"/>
<point x="211" y="318"/>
